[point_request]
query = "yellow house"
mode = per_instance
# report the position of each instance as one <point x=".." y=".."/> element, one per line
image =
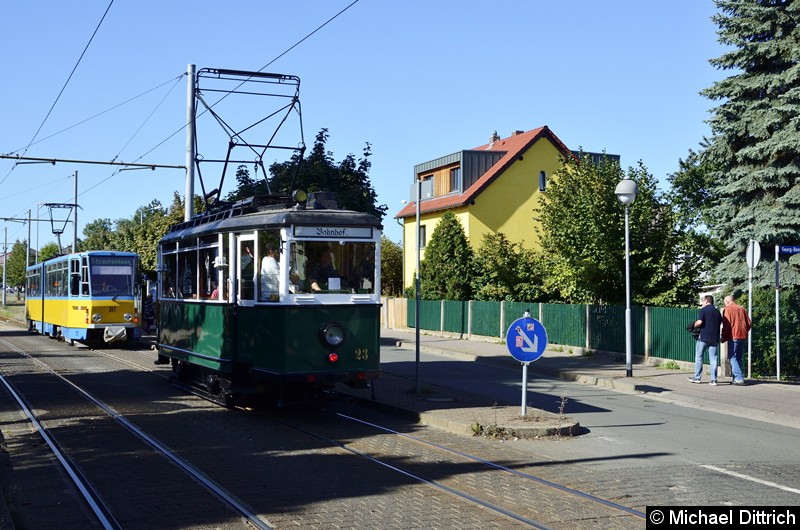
<point x="491" y="188"/>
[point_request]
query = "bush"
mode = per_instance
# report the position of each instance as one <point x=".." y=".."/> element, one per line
<point x="764" y="362"/>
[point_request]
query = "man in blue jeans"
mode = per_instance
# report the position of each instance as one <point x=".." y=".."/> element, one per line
<point x="735" y="332"/>
<point x="709" y="320"/>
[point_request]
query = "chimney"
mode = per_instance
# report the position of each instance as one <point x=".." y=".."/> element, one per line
<point x="517" y="132"/>
<point x="493" y="138"/>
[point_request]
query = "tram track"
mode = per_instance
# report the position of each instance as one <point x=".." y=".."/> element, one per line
<point x="101" y="508"/>
<point x="492" y="486"/>
<point x="314" y="504"/>
<point x="87" y="492"/>
<point x="526" y="476"/>
<point x="478" y="490"/>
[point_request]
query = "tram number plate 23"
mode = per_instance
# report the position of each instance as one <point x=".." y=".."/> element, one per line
<point x="362" y="354"/>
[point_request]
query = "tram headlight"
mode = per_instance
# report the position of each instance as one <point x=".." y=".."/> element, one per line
<point x="300" y="197"/>
<point x="96" y="318"/>
<point x="128" y="317"/>
<point x="332" y="335"/>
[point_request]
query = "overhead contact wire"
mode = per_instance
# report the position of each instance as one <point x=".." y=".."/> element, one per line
<point x="62" y="88"/>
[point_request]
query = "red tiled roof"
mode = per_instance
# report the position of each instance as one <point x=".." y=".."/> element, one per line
<point x="513" y="145"/>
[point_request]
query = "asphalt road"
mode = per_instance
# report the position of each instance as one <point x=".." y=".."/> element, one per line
<point x="637" y="444"/>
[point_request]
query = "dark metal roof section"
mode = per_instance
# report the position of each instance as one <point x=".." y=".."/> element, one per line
<point x="476" y="164"/>
<point x="473" y="164"/>
<point x="270" y="210"/>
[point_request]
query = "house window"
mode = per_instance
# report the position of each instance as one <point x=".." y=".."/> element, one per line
<point x="423" y="236"/>
<point x="542" y="180"/>
<point x="455" y="179"/>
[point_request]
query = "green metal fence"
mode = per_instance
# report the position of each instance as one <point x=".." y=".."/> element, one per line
<point x="486" y="318"/>
<point x="668" y="336"/>
<point x="455" y="317"/>
<point x="660" y="334"/>
<point x="657" y="332"/>
<point x="607" y="328"/>
<point x="565" y="324"/>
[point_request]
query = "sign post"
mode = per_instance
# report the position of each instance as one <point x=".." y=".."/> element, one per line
<point x="752" y="257"/>
<point x="526" y="339"/>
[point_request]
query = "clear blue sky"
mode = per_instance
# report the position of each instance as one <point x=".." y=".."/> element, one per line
<point x="417" y="79"/>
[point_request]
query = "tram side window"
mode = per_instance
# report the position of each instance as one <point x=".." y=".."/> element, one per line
<point x="75" y="277"/>
<point x="56" y="279"/>
<point x="34" y="280"/>
<point x="188" y="274"/>
<point x="247" y="268"/>
<point x="297" y="268"/>
<point x="222" y="265"/>
<point x="269" y="273"/>
<point x="208" y="273"/>
<point x="168" y="275"/>
<point x="85" y="275"/>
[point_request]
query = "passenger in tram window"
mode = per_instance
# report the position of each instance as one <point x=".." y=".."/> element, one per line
<point x="269" y="272"/>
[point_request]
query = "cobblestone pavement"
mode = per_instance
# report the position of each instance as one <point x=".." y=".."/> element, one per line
<point x="361" y="499"/>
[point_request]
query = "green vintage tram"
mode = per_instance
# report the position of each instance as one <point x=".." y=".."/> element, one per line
<point x="271" y="296"/>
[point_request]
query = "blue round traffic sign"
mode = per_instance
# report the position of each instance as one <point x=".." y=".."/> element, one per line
<point x="526" y="339"/>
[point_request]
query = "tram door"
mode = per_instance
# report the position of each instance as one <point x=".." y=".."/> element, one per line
<point x="246" y="269"/>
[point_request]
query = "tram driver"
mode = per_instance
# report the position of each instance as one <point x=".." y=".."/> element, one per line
<point x="323" y="272"/>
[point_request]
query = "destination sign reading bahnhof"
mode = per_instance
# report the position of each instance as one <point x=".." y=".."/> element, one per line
<point x="339" y="232"/>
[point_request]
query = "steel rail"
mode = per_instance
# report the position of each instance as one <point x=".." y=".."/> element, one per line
<point x="209" y="484"/>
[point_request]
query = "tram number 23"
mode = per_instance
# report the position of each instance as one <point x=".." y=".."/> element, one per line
<point x="362" y="354"/>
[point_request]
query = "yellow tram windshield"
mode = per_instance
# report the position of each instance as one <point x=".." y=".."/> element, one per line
<point x="112" y="275"/>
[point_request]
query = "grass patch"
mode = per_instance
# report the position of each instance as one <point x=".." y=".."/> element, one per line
<point x="13" y="309"/>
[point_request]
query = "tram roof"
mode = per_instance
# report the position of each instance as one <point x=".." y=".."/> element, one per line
<point x="233" y="221"/>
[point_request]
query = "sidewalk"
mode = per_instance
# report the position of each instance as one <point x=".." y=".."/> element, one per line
<point x="766" y="401"/>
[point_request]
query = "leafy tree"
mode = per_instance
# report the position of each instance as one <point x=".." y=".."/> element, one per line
<point x="690" y="195"/>
<point x="16" y="264"/>
<point x="764" y="362"/>
<point x="581" y="231"/>
<point x="531" y="272"/>
<point x="139" y="233"/>
<point x="582" y="235"/>
<point x="753" y="149"/>
<point x="349" y="179"/>
<point x="48" y="251"/>
<point x="246" y="186"/>
<point x="98" y="235"/>
<point x="391" y="267"/>
<point x="447" y="268"/>
<point x="495" y="264"/>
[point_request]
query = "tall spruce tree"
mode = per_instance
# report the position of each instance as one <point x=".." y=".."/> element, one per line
<point x="754" y="149"/>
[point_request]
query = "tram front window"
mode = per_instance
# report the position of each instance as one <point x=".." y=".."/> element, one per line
<point x="333" y="266"/>
<point x="112" y="275"/>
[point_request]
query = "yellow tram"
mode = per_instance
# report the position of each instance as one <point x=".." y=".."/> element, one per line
<point x="86" y="296"/>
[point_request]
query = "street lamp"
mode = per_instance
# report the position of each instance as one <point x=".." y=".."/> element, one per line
<point x="417" y="286"/>
<point x="149" y="209"/>
<point x="626" y="193"/>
